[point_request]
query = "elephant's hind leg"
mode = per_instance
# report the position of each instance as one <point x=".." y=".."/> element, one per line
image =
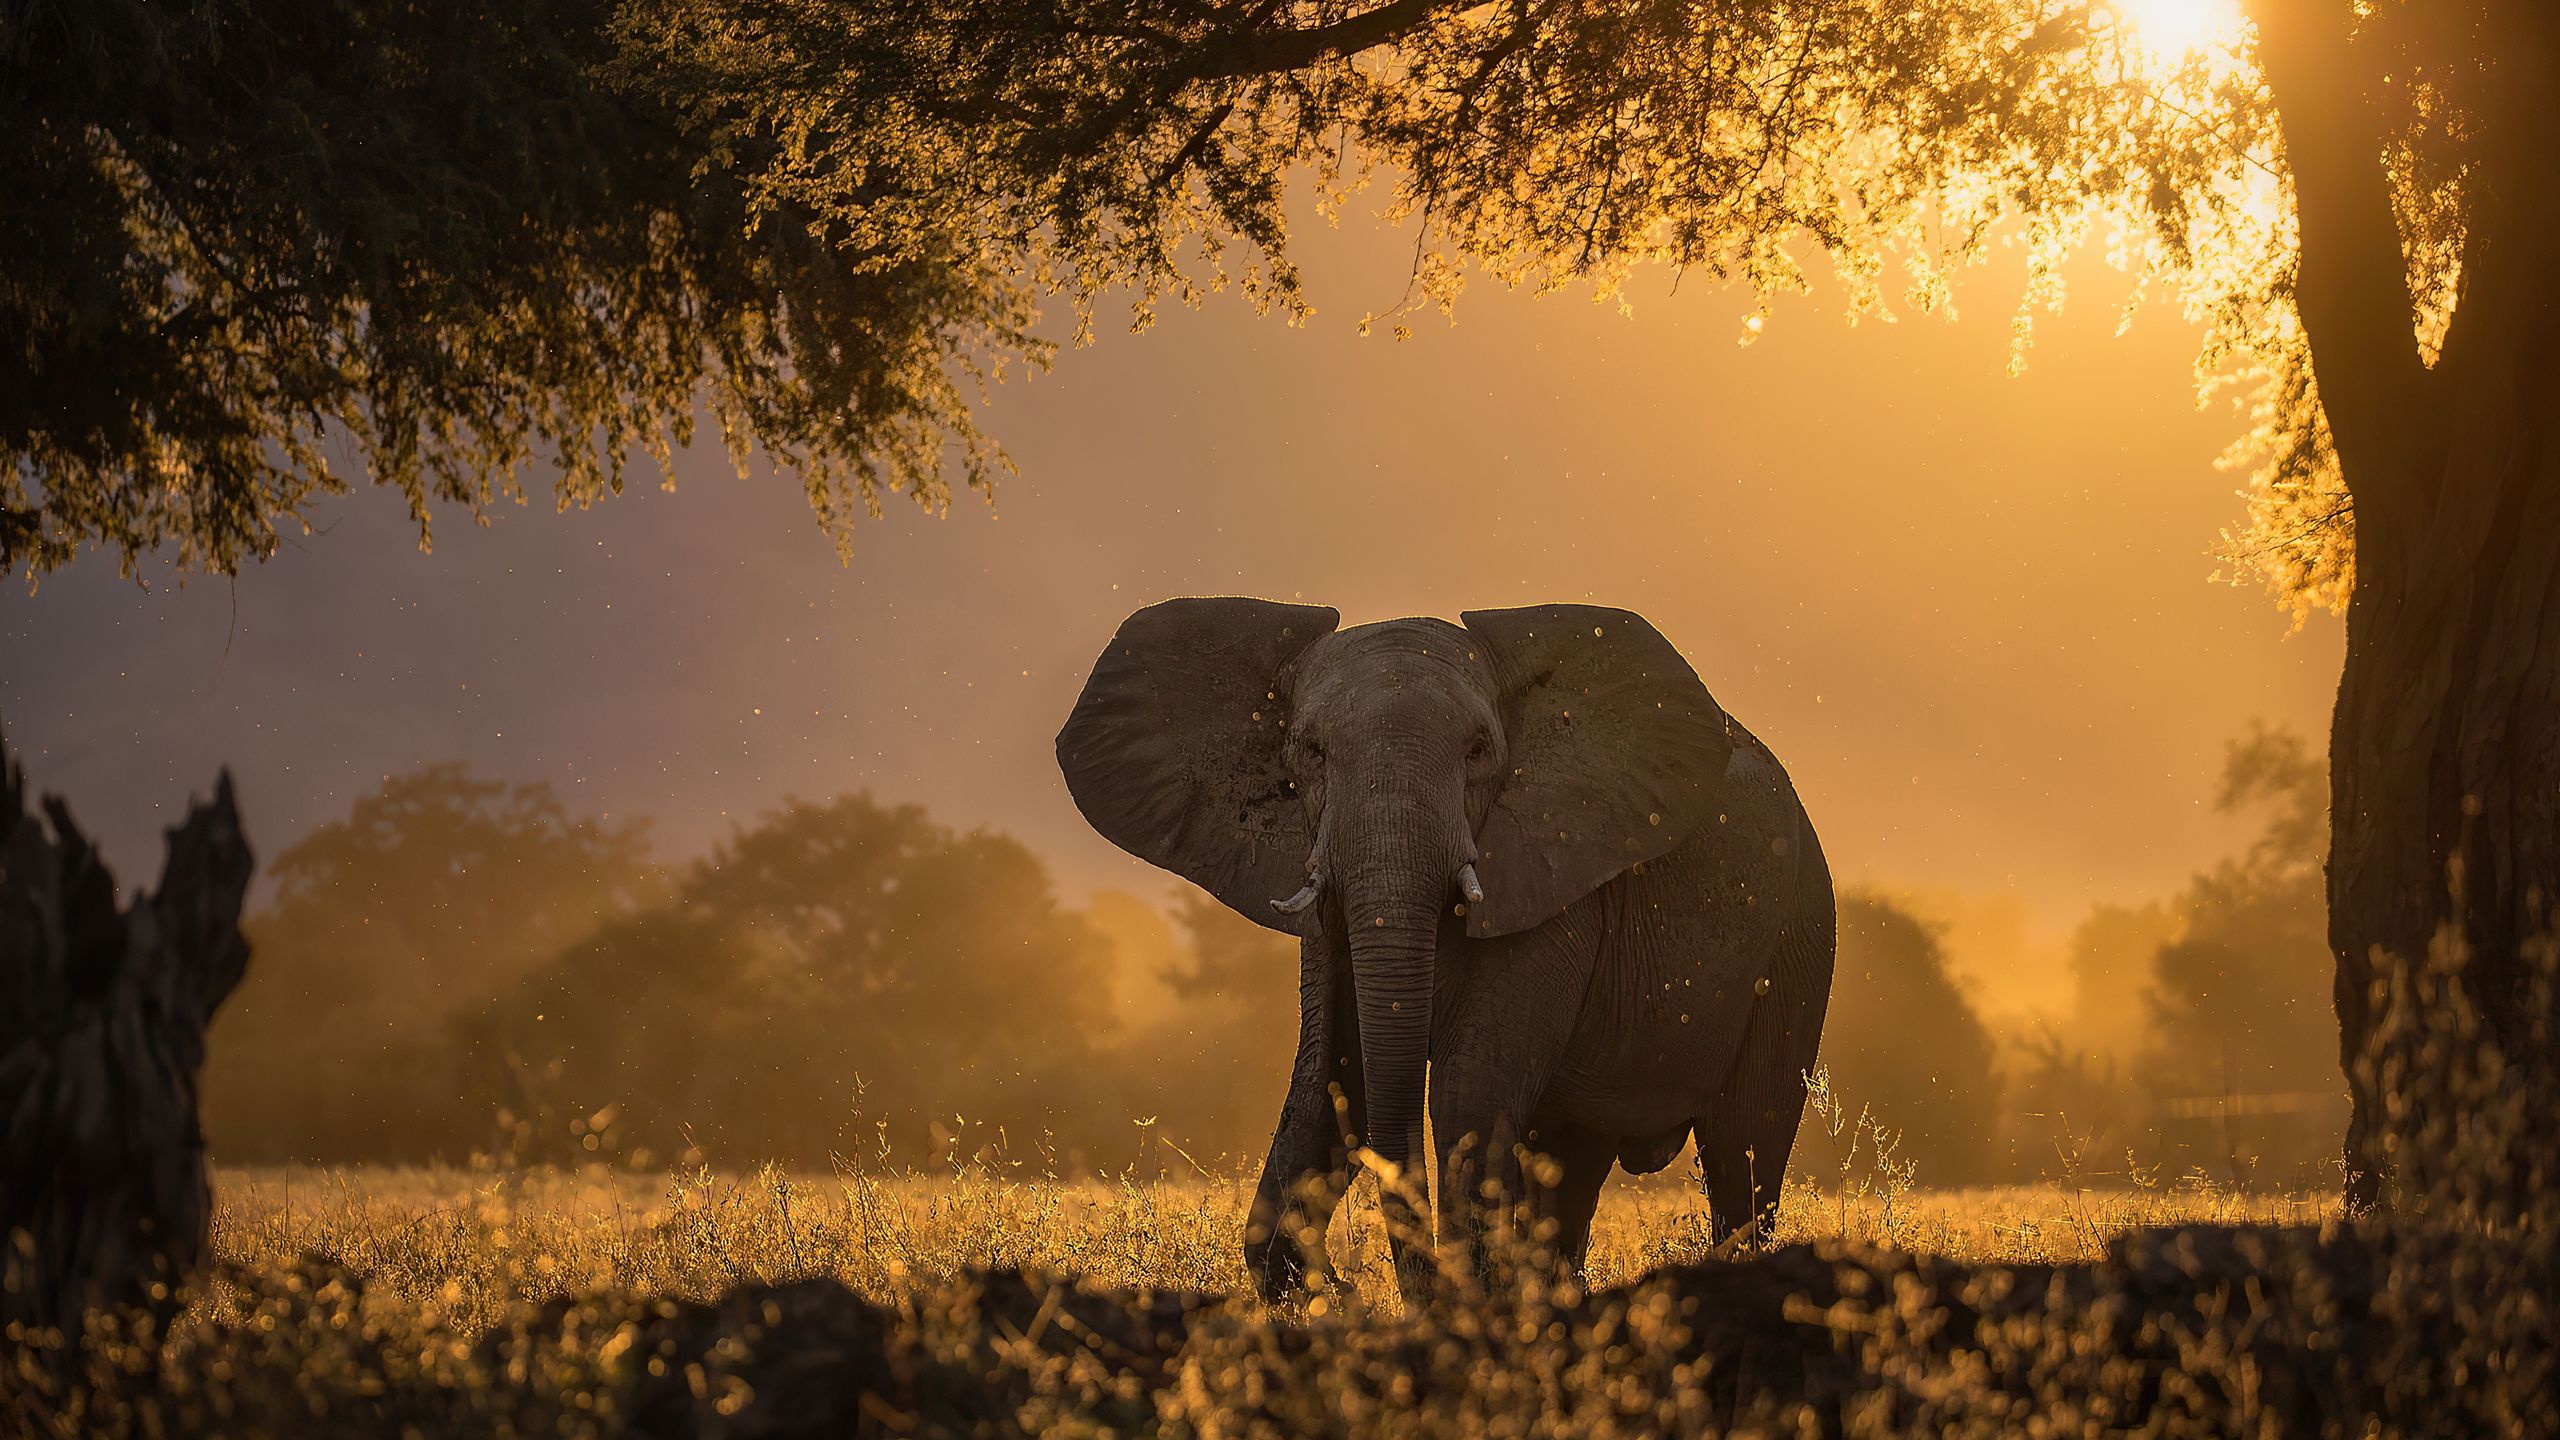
<point x="1581" y="1161"/>
<point x="1744" y="1143"/>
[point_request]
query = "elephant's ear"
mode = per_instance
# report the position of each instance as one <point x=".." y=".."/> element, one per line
<point x="1617" y="754"/>
<point x="1176" y="751"/>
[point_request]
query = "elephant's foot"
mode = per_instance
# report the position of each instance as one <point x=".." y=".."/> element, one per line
<point x="1282" y="1272"/>
<point x="1418" y="1277"/>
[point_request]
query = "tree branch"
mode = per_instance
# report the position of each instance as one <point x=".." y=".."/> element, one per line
<point x="1252" y="52"/>
<point x="1274" y="52"/>
<point x="1193" y="148"/>
<point x="2352" y="286"/>
<point x="2509" y="297"/>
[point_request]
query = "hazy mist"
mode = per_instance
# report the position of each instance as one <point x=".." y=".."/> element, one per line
<point x="1972" y="613"/>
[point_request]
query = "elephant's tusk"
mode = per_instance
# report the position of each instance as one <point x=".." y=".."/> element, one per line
<point x="1305" y="897"/>
<point x="1469" y="885"/>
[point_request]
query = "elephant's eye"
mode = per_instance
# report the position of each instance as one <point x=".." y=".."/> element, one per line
<point x="1479" y="749"/>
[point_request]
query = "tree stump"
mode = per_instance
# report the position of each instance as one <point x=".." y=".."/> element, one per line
<point x="104" y="1200"/>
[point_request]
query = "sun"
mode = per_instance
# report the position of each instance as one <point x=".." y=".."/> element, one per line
<point x="2171" y="30"/>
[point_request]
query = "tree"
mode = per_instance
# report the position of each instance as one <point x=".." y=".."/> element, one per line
<point x="1903" y="1037"/>
<point x="104" y="1198"/>
<point x="1220" y="1061"/>
<point x="836" y="964"/>
<point x="254" y="252"/>
<point x="436" y="892"/>
<point x="2236" y="998"/>
<point x="2357" y="197"/>
<point x="2112" y="953"/>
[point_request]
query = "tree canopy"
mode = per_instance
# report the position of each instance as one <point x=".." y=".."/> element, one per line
<point x="1154" y="145"/>
<point x="459" y="239"/>
<point x="257" y="252"/>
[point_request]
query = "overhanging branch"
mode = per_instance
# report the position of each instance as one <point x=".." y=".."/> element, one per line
<point x="1274" y="52"/>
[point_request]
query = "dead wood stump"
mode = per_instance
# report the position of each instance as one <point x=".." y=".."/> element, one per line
<point x="104" y="1201"/>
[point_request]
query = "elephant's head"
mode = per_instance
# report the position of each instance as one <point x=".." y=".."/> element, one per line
<point x="1378" y="779"/>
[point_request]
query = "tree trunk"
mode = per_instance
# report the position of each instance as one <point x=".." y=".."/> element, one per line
<point x="2445" y="764"/>
<point x="104" y="1204"/>
<point x="2445" y="750"/>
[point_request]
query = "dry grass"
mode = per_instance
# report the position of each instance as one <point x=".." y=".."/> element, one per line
<point x="870" y="1301"/>
<point x="455" y="1248"/>
<point x="603" y="1303"/>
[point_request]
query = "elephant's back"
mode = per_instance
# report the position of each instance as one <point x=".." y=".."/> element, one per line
<point x="1758" y="812"/>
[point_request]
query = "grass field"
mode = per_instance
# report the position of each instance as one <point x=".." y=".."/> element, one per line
<point x="999" y="1301"/>
<point x="868" y="1301"/>
<point x="454" y="1249"/>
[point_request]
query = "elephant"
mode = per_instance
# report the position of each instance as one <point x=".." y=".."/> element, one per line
<point x="1533" y="869"/>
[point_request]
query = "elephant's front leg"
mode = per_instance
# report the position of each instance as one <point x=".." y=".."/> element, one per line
<point x="1510" y="1005"/>
<point x="1309" y="1166"/>
<point x="1480" y="1184"/>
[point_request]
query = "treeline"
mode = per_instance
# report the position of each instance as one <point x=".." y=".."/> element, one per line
<point x="462" y="967"/>
<point x="2200" y="1039"/>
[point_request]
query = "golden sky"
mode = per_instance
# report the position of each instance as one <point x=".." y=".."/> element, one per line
<point x="1972" y="614"/>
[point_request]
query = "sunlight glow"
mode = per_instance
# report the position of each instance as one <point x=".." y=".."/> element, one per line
<point x="2170" y="30"/>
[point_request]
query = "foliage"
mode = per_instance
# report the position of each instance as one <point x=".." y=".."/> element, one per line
<point x="534" y="1302"/>
<point x="2111" y="954"/>
<point x="458" y="237"/>
<point x="437" y="891"/>
<point x="462" y="966"/>
<point x="1555" y="144"/>
<point x="2469" y="1210"/>
<point x="255" y="252"/>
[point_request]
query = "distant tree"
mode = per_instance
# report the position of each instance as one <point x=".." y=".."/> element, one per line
<point x="1221" y="1058"/>
<point x="835" y="963"/>
<point x="2076" y="1113"/>
<point x="2236" y="1000"/>
<point x="2195" y="1039"/>
<point x="1231" y="963"/>
<point x="2077" y="1104"/>
<point x="436" y="892"/>
<point x="2114" y="951"/>
<point x="1903" y="1038"/>
<point x="254" y="252"/>
<point x="1143" y="948"/>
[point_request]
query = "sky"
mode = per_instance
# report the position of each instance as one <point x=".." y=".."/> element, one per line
<point x="1975" y="615"/>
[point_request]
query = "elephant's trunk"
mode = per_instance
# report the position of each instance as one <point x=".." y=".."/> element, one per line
<point x="1392" y="909"/>
<point x="1394" y="941"/>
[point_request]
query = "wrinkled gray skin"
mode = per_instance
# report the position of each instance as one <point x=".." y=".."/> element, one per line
<point x="1650" y="958"/>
